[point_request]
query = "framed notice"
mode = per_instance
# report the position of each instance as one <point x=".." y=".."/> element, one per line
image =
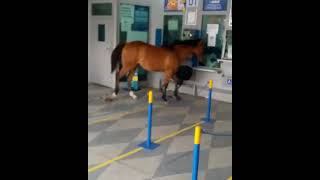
<point x="191" y="17"/>
<point x="174" y="5"/>
<point x="215" y="5"/>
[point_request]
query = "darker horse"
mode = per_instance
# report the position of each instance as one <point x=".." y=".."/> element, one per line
<point x="152" y="58"/>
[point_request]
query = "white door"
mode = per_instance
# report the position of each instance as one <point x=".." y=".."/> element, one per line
<point x="102" y="41"/>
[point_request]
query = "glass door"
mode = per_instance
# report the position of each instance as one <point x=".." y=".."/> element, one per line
<point x="172" y="29"/>
<point x="134" y="26"/>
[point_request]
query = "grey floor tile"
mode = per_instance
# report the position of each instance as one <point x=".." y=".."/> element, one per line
<point x="220" y="157"/>
<point x="123" y="136"/>
<point x="219" y="173"/>
<point x="168" y="120"/>
<point x="100" y="127"/>
<point x="96" y="174"/>
<point x="118" y="171"/>
<point x="224" y="116"/>
<point x="186" y="143"/>
<point x="221" y="141"/>
<point x="162" y="149"/>
<point x="180" y="163"/>
<point x="157" y="132"/>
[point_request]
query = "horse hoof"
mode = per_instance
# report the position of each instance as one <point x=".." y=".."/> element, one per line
<point x="178" y="98"/>
<point x="114" y="95"/>
<point x="108" y="99"/>
<point x="164" y="99"/>
<point x="132" y="95"/>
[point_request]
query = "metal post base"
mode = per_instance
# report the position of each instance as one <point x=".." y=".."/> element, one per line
<point x="205" y="120"/>
<point x="151" y="146"/>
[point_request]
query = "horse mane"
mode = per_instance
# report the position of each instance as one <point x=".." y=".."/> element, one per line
<point x="192" y="42"/>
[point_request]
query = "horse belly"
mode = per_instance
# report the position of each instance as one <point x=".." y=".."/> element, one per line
<point x="152" y="65"/>
<point x="152" y="61"/>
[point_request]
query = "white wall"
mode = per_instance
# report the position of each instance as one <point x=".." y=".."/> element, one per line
<point x="89" y="51"/>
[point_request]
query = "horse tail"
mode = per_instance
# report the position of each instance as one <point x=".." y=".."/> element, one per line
<point x="116" y="56"/>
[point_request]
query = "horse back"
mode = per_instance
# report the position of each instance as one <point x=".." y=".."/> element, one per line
<point x="150" y="57"/>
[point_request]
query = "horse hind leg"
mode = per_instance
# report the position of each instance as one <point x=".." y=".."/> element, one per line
<point x="167" y="77"/>
<point x="123" y="71"/>
<point x="178" y="83"/>
<point x="116" y="90"/>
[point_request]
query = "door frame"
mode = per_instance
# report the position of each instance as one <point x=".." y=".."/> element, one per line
<point x="115" y="6"/>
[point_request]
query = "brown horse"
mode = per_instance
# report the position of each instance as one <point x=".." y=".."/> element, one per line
<point x="152" y="58"/>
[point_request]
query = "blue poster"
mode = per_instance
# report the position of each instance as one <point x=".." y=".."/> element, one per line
<point x="141" y="18"/>
<point x="215" y="5"/>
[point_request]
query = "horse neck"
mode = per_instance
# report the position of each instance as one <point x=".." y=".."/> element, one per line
<point x="184" y="54"/>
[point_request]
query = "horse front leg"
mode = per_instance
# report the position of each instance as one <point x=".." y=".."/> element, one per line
<point x="177" y="86"/>
<point x="167" y="77"/>
<point x="164" y="91"/>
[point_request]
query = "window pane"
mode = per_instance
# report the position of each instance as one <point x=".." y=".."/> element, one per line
<point x="228" y="48"/>
<point x="101" y="32"/>
<point x="102" y="9"/>
<point x="212" y="54"/>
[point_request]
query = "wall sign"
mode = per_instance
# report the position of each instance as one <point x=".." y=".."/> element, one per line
<point x="192" y="3"/>
<point x="174" y="5"/>
<point x="215" y="5"/>
<point x="141" y="18"/>
<point x="229" y="81"/>
<point x="126" y="16"/>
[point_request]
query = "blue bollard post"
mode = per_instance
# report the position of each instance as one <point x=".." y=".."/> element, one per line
<point x="149" y="124"/>
<point x="148" y="144"/>
<point x="196" y="149"/>
<point x="208" y="118"/>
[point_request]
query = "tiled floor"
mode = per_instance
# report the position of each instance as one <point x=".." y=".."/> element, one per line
<point x="125" y="127"/>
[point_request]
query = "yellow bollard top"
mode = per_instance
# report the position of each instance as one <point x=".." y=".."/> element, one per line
<point x="150" y="96"/>
<point x="230" y="178"/>
<point x="197" y="135"/>
<point x="210" y="84"/>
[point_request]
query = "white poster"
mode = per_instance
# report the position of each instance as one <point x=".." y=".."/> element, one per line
<point x="212" y="31"/>
<point x="213" y="28"/>
<point x="126" y="16"/>
<point x="212" y="40"/>
<point x="173" y="25"/>
<point x="191" y="18"/>
<point x="127" y="11"/>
